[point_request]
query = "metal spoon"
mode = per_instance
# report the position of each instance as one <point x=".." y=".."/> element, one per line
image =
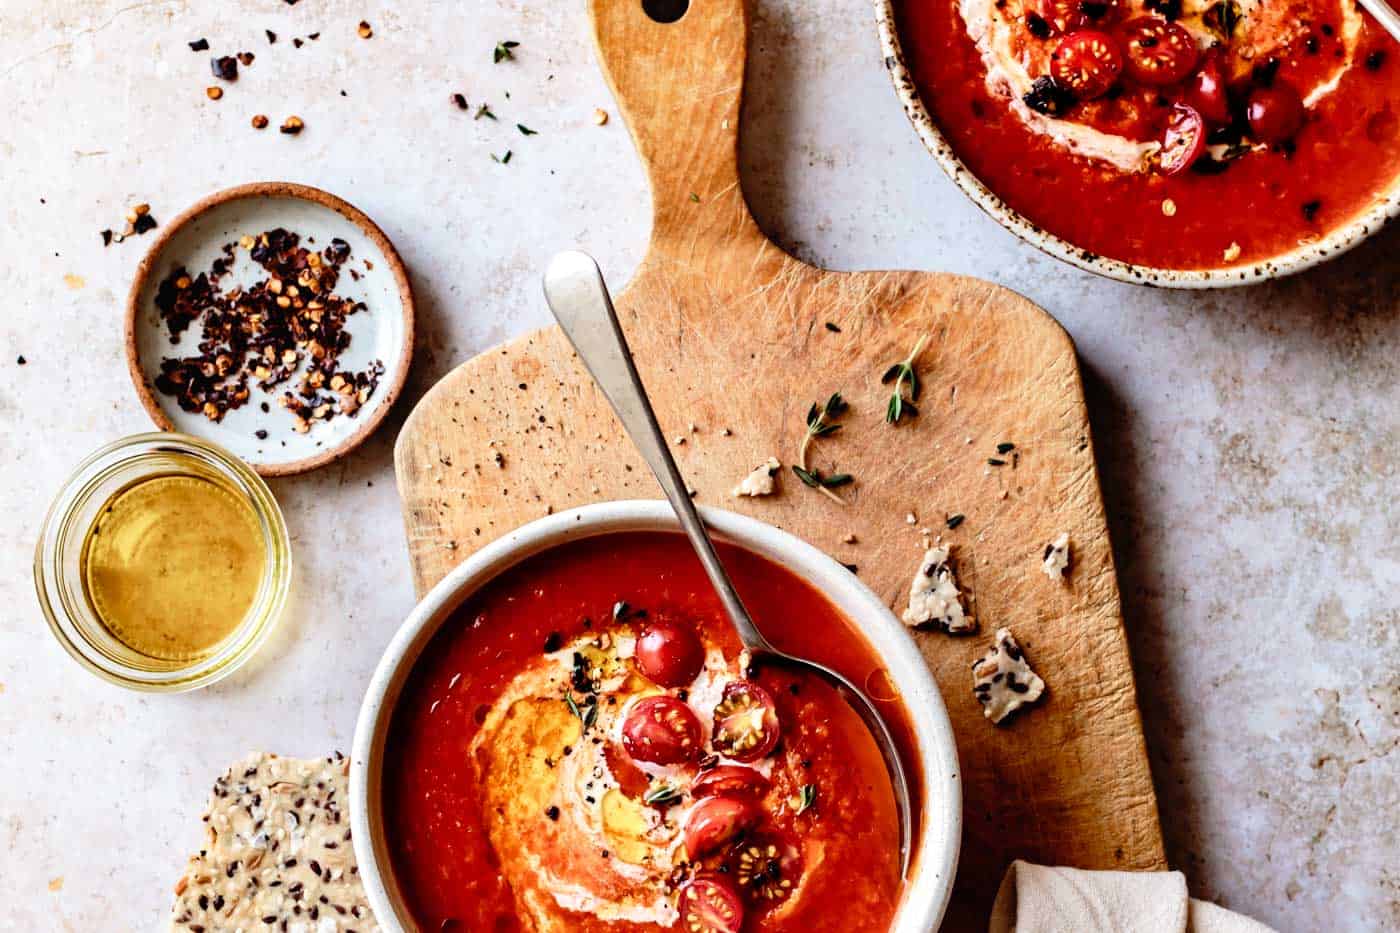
<point x="1385" y="14"/>
<point x="574" y="288"/>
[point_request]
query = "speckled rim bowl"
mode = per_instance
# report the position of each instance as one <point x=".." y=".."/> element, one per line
<point x="1340" y="240"/>
<point x="930" y="881"/>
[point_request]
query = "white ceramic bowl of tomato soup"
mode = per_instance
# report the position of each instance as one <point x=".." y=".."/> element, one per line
<point x="927" y="739"/>
<point x="1149" y="227"/>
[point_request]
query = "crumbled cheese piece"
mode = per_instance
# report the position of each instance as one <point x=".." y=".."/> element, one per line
<point x="1002" y="681"/>
<point x="1056" y="559"/>
<point x="911" y="519"/>
<point x="934" y="598"/>
<point x="760" y="482"/>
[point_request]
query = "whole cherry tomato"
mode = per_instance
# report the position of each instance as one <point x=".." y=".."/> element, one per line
<point x="669" y="652"/>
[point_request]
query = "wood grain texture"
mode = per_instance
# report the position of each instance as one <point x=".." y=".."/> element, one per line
<point x="731" y="340"/>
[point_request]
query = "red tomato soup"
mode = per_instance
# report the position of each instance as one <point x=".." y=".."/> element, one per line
<point x="578" y="749"/>
<point x="1182" y="134"/>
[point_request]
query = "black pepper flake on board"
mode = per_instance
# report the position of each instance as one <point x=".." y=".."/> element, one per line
<point x="995" y="461"/>
<point x="271" y="36"/>
<point x="297" y="43"/>
<point x="1375" y="60"/>
<point x="260" y="434"/>
<point x="833" y="328"/>
<point x="20" y="361"/>
<point x="1048" y="96"/>
<point x="460" y="100"/>
<point x="143" y="222"/>
<point x="246" y="58"/>
<point x="852" y="568"/>
<point x="955" y="520"/>
<point x="1310" y="209"/>
<point x="1005" y="448"/>
<point x="1037" y="26"/>
<point x="106" y="237"/>
<point x="224" y="67"/>
<point x="199" y="45"/>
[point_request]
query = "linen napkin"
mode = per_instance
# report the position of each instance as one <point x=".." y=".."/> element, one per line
<point x="1045" y="899"/>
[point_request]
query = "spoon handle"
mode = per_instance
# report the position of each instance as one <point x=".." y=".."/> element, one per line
<point x="576" y="293"/>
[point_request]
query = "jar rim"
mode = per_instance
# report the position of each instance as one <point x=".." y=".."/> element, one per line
<point x="62" y="611"/>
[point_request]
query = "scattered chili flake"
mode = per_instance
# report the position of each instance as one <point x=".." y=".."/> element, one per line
<point x="297" y="43"/>
<point x="292" y="125"/>
<point x="313" y="36"/>
<point x="259" y="121"/>
<point x="1375" y="60"/>
<point x="260" y="434"/>
<point x="143" y="223"/>
<point x="1310" y="209"/>
<point x="365" y="30"/>
<point x="214" y="93"/>
<point x="460" y="100"/>
<point x="271" y="36"/>
<point x="20" y="361"/>
<point x="106" y="237"/>
<point x="503" y="159"/>
<point x="246" y="58"/>
<point x="199" y="45"/>
<point x="289" y="325"/>
<point x="225" y="67"/>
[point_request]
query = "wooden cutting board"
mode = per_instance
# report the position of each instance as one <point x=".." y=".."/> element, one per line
<point x="735" y="340"/>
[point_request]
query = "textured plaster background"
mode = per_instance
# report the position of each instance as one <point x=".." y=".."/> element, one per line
<point x="1248" y="439"/>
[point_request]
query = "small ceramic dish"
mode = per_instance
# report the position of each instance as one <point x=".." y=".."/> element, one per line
<point x="935" y="849"/>
<point x="1336" y="242"/>
<point x="261" y="432"/>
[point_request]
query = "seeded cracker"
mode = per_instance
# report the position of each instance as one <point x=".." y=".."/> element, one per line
<point x="1002" y="680"/>
<point x="278" y="854"/>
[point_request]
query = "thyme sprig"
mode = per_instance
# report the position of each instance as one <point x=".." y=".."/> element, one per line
<point x="902" y="374"/>
<point x="821" y="422"/>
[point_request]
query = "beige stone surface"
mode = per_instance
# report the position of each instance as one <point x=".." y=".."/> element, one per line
<point x="1247" y="440"/>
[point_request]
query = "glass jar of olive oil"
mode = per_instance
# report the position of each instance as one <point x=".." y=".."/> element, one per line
<point x="164" y="563"/>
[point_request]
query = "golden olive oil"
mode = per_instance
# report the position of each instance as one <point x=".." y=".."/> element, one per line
<point x="172" y="565"/>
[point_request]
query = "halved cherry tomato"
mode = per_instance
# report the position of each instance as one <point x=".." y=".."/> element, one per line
<point x="1069" y="15"/>
<point x="767" y="865"/>
<point x="710" y="905"/>
<point x="1088" y="62"/>
<point x="662" y="730"/>
<point x="746" y="722"/>
<point x="715" y="822"/>
<point x="669" y="652"/>
<point x="1183" y="141"/>
<point x="1275" y="112"/>
<point x="1158" y="52"/>
<point x="729" y="781"/>
<point x="1207" y="91"/>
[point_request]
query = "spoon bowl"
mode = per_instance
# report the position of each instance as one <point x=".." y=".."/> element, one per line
<point x="579" y="299"/>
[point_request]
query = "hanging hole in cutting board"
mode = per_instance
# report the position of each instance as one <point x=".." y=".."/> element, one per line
<point x="665" y="11"/>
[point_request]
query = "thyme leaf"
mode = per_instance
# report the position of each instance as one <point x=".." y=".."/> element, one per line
<point x="806" y="799"/>
<point x="660" y="795"/>
<point x="504" y="51"/>
<point x="903" y="374"/>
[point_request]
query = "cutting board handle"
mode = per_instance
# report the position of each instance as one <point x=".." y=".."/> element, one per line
<point x="679" y="87"/>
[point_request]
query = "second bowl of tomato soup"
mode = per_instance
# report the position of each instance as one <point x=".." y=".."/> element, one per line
<point x="566" y="735"/>
<point x="1177" y="142"/>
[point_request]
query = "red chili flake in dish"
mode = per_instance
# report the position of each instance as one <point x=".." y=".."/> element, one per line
<point x="290" y="325"/>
